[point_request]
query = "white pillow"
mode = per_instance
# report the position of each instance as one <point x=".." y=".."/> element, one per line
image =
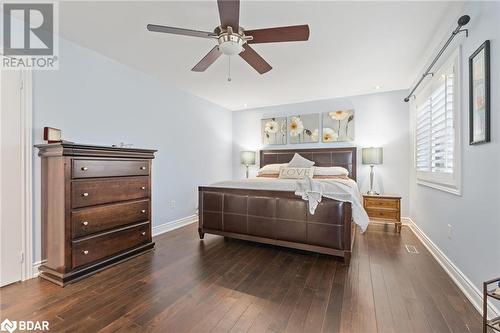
<point x="300" y="162"/>
<point x="271" y="169"/>
<point x="296" y="173"/>
<point x="330" y="171"/>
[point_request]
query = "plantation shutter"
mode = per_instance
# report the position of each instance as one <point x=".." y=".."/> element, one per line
<point x="436" y="126"/>
<point x="424" y="136"/>
<point x="435" y="133"/>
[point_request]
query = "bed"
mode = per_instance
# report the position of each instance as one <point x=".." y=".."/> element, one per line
<point x="278" y="216"/>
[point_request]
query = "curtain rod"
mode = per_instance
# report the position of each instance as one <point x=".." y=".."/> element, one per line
<point x="463" y="20"/>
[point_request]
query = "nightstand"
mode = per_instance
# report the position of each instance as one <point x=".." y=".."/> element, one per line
<point x="384" y="207"/>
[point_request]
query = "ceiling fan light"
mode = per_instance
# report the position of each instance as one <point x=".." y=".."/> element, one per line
<point x="230" y="48"/>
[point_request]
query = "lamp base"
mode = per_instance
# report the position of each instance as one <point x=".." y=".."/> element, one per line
<point x="371" y="191"/>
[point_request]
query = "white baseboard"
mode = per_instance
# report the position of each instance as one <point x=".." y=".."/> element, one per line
<point x="473" y="294"/>
<point x="406" y="221"/>
<point x="169" y="226"/>
<point x="36" y="265"/>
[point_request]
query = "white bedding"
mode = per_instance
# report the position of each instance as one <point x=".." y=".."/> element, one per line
<point x="311" y="190"/>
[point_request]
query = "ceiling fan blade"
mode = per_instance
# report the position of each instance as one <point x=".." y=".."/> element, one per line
<point x="229" y="13"/>
<point x="255" y="60"/>
<point x="207" y="60"/>
<point x="292" y="33"/>
<point x="181" y="31"/>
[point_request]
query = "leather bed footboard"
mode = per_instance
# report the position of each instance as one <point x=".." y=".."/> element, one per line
<point x="278" y="218"/>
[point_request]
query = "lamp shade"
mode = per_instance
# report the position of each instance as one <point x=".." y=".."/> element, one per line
<point x="373" y="155"/>
<point x="247" y="157"/>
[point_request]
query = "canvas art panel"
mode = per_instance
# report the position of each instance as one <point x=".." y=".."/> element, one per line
<point x="338" y="126"/>
<point x="303" y="128"/>
<point x="274" y="131"/>
<point x="479" y="108"/>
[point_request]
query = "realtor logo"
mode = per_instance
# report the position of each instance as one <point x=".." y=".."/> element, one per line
<point x="37" y="35"/>
<point x="29" y="35"/>
<point x="8" y="325"/>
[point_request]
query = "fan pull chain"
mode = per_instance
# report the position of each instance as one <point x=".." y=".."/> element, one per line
<point x="229" y="69"/>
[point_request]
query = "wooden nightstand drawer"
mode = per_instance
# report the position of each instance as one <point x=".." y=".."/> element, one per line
<point x="382" y="203"/>
<point x="383" y="214"/>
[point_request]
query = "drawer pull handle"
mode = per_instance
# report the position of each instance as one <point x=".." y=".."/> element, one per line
<point x="143" y="168"/>
<point x="143" y="187"/>
<point x="143" y="233"/>
<point x="85" y="194"/>
<point x="143" y="211"/>
<point x="85" y="223"/>
<point x="85" y="252"/>
<point x="84" y="168"/>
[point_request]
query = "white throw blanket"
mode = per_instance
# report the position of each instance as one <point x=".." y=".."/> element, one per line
<point x="313" y="191"/>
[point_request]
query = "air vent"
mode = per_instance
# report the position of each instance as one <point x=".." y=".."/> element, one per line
<point x="411" y="249"/>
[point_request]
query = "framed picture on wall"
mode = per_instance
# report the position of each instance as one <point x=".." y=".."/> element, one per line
<point x="479" y="95"/>
<point x="273" y="131"/>
<point x="303" y="128"/>
<point x="338" y="126"/>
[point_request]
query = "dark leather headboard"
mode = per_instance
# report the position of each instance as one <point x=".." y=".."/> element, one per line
<point x="343" y="157"/>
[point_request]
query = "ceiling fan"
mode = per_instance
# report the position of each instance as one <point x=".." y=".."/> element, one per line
<point x="233" y="39"/>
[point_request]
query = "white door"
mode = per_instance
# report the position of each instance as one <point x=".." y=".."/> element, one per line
<point x="11" y="181"/>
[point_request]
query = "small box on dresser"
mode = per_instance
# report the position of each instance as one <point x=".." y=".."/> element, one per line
<point x="384" y="208"/>
<point x="95" y="208"/>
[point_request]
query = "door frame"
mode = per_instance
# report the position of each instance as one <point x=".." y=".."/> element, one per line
<point x="27" y="172"/>
<point x="26" y="139"/>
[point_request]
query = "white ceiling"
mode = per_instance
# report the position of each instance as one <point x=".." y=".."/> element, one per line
<point x="353" y="46"/>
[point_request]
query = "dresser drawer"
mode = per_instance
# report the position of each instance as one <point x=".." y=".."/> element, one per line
<point x="382" y="203"/>
<point x="88" y="250"/>
<point x="383" y="214"/>
<point x="86" y="221"/>
<point x="95" y="192"/>
<point x="109" y="168"/>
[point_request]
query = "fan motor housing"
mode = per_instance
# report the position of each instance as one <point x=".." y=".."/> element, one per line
<point x="231" y="44"/>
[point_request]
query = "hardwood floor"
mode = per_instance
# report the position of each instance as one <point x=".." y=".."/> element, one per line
<point x="218" y="285"/>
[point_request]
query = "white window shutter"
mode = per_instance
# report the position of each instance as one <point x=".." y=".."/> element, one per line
<point x="435" y="133"/>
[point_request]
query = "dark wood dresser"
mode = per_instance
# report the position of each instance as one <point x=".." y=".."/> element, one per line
<point x="96" y="208"/>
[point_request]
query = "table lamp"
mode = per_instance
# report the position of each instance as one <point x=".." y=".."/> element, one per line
<point x="247" y="158"/>
<point x="372" y="156"/>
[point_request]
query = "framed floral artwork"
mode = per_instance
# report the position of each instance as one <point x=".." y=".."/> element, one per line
<point x="479" y="95"/>
<point x="338" y="126"/>
<point x="303" y="128"/>
<point x="273" y="131"/>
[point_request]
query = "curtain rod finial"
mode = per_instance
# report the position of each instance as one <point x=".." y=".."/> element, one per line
<point x="463" y="20"/>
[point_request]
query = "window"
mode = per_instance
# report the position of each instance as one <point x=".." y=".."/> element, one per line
<point x="437" y="129"/>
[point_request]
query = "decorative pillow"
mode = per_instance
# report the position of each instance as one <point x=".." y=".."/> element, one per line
<point x="271" y="169"/>
<point x="330" y="171"/>
<point x="300" y="162"/>
<point x="295" y="173"/>
<point x="268" y="175"/>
